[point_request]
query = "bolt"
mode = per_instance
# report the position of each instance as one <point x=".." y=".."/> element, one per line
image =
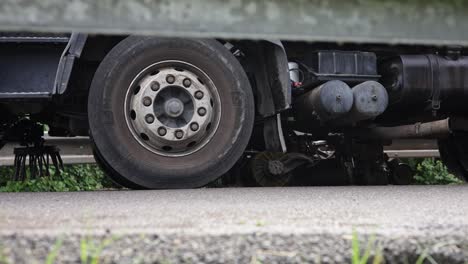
<point x="174" y="107"/>
<point x="149" y="118"/>
<point x="179" y="134"/>
<point x="147" y="101"/>
<point x="162" y="131"/>
<point x="199" y="95"/>
<point x="155" y="86"/>
<point x="194" y="126"/>
<point x="170" y="79"/>
<point x="338" y="98"/>
<point x="187" y="82"/>
<point x="201" y="111"/>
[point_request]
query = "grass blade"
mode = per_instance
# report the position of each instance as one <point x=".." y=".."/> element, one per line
<point x="52" y="256"/>
<point x="356" y="254"/>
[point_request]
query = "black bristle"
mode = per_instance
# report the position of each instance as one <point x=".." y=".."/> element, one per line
<point x="38" y="159"/>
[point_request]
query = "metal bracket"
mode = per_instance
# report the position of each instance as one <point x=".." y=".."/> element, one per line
<point x="71" y="52"/>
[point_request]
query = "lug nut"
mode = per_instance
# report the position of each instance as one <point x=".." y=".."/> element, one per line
<point x="199" y="95"/>
<point x="170" y="79"/>
<point x="155" y="86"/>
<point x="179" y="134"/>
<point x="162" y="131"/>
<point x="194" y="126"/>
<point x="187" y="82"/>
<point x="201" y="111"/>
<point x="147" y="101"/>
<point x="149" y="118"/>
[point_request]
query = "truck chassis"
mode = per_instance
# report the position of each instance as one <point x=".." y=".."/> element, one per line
<point x="183" y="112"/>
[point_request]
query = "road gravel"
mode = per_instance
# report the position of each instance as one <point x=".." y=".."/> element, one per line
<point x="238" y="225"/>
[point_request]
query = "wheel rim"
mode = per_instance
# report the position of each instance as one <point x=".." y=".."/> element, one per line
<point x="172" y="108"/>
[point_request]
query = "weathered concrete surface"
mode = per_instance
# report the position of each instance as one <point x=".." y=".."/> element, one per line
<point x="238" y="225"/>
<point x="391" y="21"/>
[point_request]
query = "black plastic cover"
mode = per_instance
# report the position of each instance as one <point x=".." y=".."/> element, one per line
<point x="347" y="66"/>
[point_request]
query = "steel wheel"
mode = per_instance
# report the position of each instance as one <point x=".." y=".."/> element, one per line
<point x="172" y="108"/>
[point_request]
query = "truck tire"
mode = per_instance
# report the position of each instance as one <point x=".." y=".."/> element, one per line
<point x="110" y="172"/>
<point x="169" y="113"/>
<point x="454" y="154"/>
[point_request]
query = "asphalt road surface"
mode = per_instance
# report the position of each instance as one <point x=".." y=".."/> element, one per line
<point x="244" y="225"/>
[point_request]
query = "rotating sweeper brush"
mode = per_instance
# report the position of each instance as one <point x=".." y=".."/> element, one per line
<point x="33" y="159"/>
<point x="36" y="159"/>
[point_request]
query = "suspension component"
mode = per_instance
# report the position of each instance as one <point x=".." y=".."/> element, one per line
<point x="401" y="173"/>
<point x="271" y="169"/>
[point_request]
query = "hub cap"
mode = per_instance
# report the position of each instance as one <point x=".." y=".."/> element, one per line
<point x="172" y="108"/>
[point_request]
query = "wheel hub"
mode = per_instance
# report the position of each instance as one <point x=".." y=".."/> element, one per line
<point x="172" y="108"/>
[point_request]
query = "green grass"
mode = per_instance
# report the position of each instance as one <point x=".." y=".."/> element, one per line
<point x="433" y="171"/>
<point x="373" y="253"/>
<point x="52" y="256"/>
<point x="90" y="252"/>
<point x="359" y="257"/>
<point x="72" y="178"/>
<point x="91" y="178"/>
<point x="3" y="258"/>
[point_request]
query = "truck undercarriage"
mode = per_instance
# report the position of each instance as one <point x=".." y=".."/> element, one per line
<point x="180" y="113"/>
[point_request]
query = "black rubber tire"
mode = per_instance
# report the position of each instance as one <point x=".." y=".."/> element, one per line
<point x="454" y="154"/>
<point x="132" y="165"/>
<point x="110" y="172"/>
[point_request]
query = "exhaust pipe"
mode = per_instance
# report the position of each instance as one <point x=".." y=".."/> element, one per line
<point x="428" y="130"/>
